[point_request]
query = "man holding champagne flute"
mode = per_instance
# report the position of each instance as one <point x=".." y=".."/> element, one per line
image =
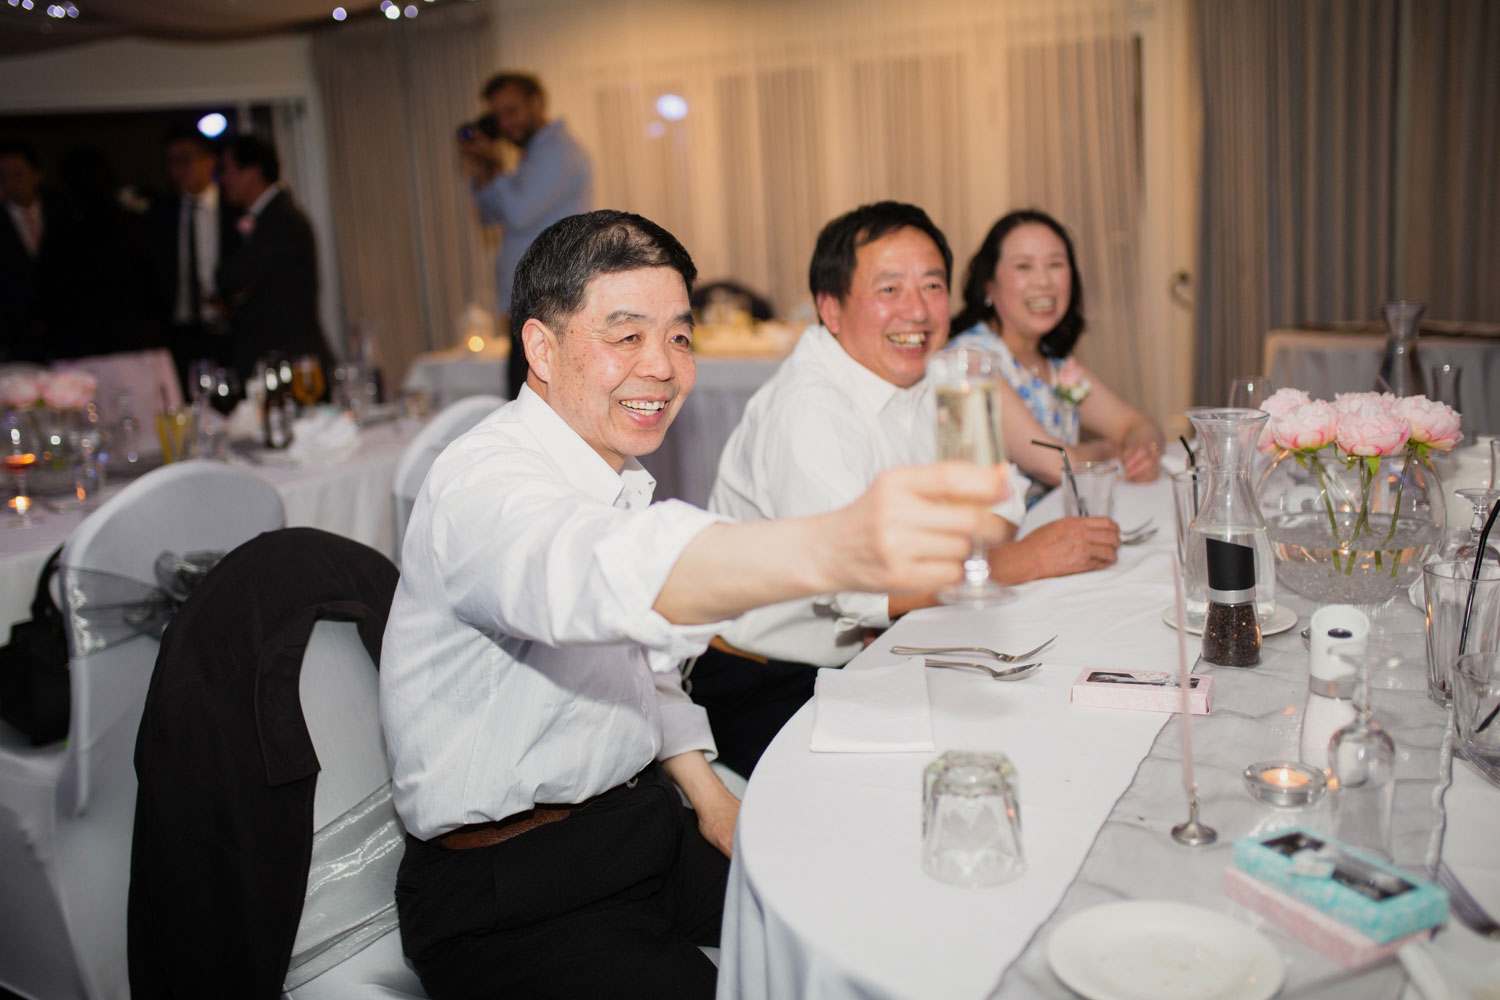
<point x="851" y="401"/>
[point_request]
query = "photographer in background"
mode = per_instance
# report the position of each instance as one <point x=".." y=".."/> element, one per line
<point x="552" y="180"/>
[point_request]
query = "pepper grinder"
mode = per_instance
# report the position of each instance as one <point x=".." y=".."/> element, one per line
<point x="1231" y="630"/>
<point x="1335" y="629"/>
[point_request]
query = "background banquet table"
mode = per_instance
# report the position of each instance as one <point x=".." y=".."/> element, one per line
<point x="827" y="895"/>
<point x="685" y="464"/>
<point x="1325" y="362"/>
<point x="351" y="497"/>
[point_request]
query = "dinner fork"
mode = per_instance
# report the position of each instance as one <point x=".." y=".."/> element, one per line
<point x="1008" y="674"/>
<point x="1148" y="524"/>
<point x="1138" y="537"/>
<point x="1002" y="657"/>
<point x="1465" y="907"/>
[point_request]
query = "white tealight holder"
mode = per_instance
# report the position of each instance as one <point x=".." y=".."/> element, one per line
<point x="1337" y="631"/>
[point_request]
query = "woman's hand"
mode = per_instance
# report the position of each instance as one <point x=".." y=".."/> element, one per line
<point x="1141" y="453"/>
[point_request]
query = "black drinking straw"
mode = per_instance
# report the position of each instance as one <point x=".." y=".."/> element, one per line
<point x="1067" y="471"/>
<point x="1463" y="635"/>
<point x="1192" y="462"/>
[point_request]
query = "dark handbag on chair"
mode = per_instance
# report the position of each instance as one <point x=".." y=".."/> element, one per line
<point x="34" y="684"/>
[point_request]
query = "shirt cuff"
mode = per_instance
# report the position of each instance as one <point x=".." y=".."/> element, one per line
<point x="636" y="579"/>
<point x="1014" y="509"/>
<point x="854" y="609"/>
<point x="684" y="727"/>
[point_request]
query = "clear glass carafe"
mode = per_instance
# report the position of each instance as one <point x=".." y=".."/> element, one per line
<point x="1229" y="511"/>
<point x="1400" y="370"/>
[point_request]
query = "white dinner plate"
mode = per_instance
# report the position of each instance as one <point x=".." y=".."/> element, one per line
<point x="1149" y="950"/>
<point x="1281" y="619"/>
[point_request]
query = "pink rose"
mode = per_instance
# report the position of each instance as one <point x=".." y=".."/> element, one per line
<point x="1371" y="429"/>
<point x="1432" y="423"/>
<point x="1349" y="401"/>
<point x="1283" y="401"/>
<point x="1069" y="376"/>
<point x="1278" y="404"/>
<point x="245" y="224"/>
<point x="68" y="390"/>
<point x="19" y="391"/>
<point x="1307" y="427"/>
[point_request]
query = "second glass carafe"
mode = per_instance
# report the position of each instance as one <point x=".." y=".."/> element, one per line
<point x="1228" y="511"/>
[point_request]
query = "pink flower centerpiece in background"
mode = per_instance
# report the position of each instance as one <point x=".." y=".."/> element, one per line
<point x="1352" y="504"/>
<point x="57" y="402"/>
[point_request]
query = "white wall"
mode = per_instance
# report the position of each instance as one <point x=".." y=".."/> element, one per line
<point x="130" y="74"/>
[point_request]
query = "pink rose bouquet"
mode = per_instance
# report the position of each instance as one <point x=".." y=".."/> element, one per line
<point x="1279" y="404"/>
<point x="17" y="392"/>
<point x="1358" y="429"/>
<point x="1072" y="386"/>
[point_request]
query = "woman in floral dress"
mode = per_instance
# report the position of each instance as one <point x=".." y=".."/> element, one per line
<point x="1023" y="300"/>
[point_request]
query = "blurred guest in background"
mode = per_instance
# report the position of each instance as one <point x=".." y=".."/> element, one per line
<point x="28" y="250"/>
<point x="1023" y="300"/>
<point x="849" y="403"/>
<point x="552" y="180"/>
<point x="192" y="230"/>
<point x="268" y="279"/>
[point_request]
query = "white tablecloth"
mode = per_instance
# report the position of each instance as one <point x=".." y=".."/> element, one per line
<point x="827" y="897"/>
<point x="1326" y="362"/>
<point x="352" y="498"/>
<point x="687" y="461"/>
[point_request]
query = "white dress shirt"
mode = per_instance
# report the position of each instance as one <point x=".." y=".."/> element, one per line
<point x="199" y="221"/>
<point x="812" y="439"/>
<point x="522" y="661"/>
<point x="28" y="223"/>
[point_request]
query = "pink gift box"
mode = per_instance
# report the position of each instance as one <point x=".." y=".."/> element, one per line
<point x="1312" y="927"/>
<point x="1143" y="690"/>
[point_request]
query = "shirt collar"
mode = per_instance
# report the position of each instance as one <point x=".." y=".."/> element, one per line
<point x="264" y="199"/>
<point x="582" y="466"/>
<point x="208" y="198"/>
<point x="868" y="389"/>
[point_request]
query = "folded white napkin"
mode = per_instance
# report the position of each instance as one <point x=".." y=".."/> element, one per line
<point x="323" y="436"/>
<point x="872" y="710"/>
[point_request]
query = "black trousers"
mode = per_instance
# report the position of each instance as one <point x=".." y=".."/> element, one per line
<point x="748" y="701"/>
<point x="610" y="902"/>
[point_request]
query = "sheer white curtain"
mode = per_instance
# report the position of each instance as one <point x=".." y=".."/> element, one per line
<point x="411" y="252"/>
<point x="798" y="111"/>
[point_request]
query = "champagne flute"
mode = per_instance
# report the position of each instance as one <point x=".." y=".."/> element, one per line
<point x="19" y="452"/>
<point x="966" y="385"/>
<point x="307" y="380"/>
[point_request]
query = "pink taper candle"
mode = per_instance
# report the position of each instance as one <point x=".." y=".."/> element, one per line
<point x="1184" y="681"/>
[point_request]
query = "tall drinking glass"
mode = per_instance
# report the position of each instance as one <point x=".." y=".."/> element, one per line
<point x="966" y="383"/>
<point x="1247" y="392"/>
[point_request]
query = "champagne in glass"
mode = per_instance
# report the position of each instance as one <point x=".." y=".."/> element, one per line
<point x="966" y="385"/>
<point x="307" y="380"/>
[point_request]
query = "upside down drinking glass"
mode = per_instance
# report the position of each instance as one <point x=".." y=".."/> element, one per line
<point x="966" y="383"/>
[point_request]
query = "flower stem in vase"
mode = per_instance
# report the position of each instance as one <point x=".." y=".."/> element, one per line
<point x="1327" y="488"/>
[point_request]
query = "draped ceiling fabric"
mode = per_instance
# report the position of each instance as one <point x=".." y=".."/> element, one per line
<point x="411" y="253"/>
<point x="798" y="111"/>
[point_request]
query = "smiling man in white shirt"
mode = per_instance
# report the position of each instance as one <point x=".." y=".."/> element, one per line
<point x="529" y="680"/>
<point x="849" y="403"/>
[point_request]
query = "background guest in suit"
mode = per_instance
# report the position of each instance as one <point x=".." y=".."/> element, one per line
<point x="268" y="280"/>
<point x="192" y="231"/>
<point x="27" y="243"/>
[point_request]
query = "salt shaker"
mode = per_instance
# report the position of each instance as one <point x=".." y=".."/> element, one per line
<point x="1335" y="629"/>
<point x="1231" y="630"/>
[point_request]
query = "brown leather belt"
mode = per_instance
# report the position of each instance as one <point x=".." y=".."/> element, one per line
<point x="724" y="647"/>
<point x="466" y="838"/>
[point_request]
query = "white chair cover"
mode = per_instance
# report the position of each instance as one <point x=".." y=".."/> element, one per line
<point x="424" y="449"/>
<point x="66" y="812"/>
<point x="340" y="704"/>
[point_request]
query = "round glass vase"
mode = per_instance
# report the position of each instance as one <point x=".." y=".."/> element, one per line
<point x="1351" y="530"/>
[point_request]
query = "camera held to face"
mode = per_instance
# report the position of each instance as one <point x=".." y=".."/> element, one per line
<point x="486" y="125"/>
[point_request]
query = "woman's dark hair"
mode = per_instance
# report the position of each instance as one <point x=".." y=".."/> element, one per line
<point x="1060" y="341"/>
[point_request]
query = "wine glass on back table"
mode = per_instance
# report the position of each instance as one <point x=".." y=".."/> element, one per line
<point x="966" y="385"/>
<point x="307" y="380"/>
<point x="18" y="452"/>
